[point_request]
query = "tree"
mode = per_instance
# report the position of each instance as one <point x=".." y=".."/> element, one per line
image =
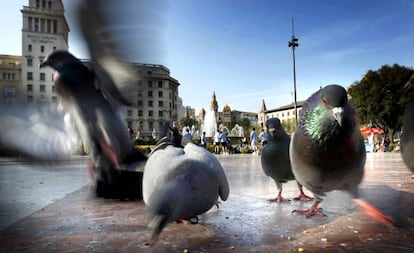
<point x="380" y="98"/>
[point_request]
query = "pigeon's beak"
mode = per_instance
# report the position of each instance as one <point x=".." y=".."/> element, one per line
<point x="338" y="114"/>
<point x="271" y="131"/>
<point x="44" y="64"/>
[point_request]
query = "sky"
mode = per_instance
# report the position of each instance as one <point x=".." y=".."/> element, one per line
<point x="239" y="48"/>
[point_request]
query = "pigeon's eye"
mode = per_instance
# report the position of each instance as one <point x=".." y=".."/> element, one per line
<point x="324" y="101"/>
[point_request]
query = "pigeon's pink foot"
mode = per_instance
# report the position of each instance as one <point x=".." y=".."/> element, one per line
<point x="279" y="199"/>
<point x="313" y="210"/>
<point x="303" y="197"/>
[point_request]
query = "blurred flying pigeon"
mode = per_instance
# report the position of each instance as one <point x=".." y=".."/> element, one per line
<point x="407" y="137"/>
<point x="92" y="99"/>
<point x="327" y="150"/>
<point x="275" y="158"/>
<point x="180" y="183"/>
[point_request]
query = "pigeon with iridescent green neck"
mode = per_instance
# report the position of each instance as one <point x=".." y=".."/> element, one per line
<point x="327" y="150"/>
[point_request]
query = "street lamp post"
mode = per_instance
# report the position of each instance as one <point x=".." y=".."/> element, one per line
<point x="293" y="43"/>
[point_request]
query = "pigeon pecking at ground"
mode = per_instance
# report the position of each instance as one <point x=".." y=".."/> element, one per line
<point x="275" y="159"/>
<point x="181" y="182"/>
<point x="407" y="137"/>
<point x="91" y="98"/>
<point x="327" y="150"/>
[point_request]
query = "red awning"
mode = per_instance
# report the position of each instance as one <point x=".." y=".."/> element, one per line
<point x="370" y="130"/>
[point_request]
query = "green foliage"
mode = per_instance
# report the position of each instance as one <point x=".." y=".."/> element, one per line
<point x="380" y="98"/>
<point x="289" y="125"/>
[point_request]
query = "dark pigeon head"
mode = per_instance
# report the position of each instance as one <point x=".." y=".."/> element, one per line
<point x="334" y="98"/>
<point x="59" y="59"/>
<point x="273" y="126"/>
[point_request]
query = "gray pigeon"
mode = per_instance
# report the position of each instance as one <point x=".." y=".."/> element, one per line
<point x="92" y="99"/>
<point x="327" y="150"/>
<point x="275" y="159"/>
<point x="407" y="137"/>
<point x="180" y="183"/>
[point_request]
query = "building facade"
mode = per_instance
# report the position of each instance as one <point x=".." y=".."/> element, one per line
<point x="286" y="115"/>
<point x="10" y="74"/>
<point x="44" y="30"/>
<point x="157" y="99"/>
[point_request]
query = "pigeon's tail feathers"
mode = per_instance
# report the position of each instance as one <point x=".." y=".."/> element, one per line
<point x="156" y="225"/>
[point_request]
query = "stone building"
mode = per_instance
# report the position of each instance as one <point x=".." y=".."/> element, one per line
<point x="10" y="74"/>
<point x="44" y="30"/>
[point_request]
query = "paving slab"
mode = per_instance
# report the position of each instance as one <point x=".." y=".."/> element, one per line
<point x="246" y="222"/>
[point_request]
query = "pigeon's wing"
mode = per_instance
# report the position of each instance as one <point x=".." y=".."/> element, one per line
<point x="37" y="132"/>
<point x="118" y="32"/>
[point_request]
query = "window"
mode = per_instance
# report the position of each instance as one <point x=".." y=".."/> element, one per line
<point x="54" y="26"/>
<point x="49" y="4"/>
<point x="29" y="76"/>
<point x="54" y="48"/>
<point x="36" y="24"/>
<point x="160" y="113"/>
<point x="49" y="26"/>
<point x="160" y="94"/>
<point x="29" y="47"/>
<point x="53" y="88"/>
<point x="37" y="3"/>
<point x="129" y="113"/>
<point x="159" y="84"/>
<point x="30" y="62"/>
<point x="151" y="125"/>
<point x="150" y="103"/>
<point x="42" y="76"/>
<point x="160" y="103"/>
<point x="149" y="83"/>
<point x="140" y="93"/>
<point x="29" y="98"/>
<point x="150" y="113"/>
<point x="42" y="49"/>
<point x="150" y="93"/>
<point x="140" y="113"/>
<point x="139" y="103"/>
<point x="54" y="99"/>
<point x="30" y="87"/>
<point x="30" y="21"/>
<point x="42" y="88"/>
<point x="9" y="91"/>
<point x="9" y="76"/>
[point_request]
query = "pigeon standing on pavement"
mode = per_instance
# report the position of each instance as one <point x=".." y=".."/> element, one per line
<point x="327" y="150"/>
<point x="92" y="99"/>
<point x="181" y="182"/>
<point x="407" y="137"/>
<point x="275" y="159"/>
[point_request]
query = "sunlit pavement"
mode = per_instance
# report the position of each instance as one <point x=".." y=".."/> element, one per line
<point x="67" y="218"/>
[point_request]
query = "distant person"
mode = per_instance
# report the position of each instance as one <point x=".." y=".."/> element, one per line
<point x="187" y="134"/>
<point x="263" y="137"/>
<point x="223" y="142"/>
<point x="254" y="140"/>
<point x="386" y="144"/>
<point x="216" y="142"/>
<point x="203" y="140"/>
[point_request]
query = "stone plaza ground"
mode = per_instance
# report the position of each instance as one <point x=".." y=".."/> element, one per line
<point x="52" y="209"/>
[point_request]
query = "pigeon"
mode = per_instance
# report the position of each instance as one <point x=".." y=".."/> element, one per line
<point x="275" y="159"/>
<point x="407" y="136"/>
<point x="327" y="150"/>
<point x="91" y="99"/>
<point x="180" y="183"/>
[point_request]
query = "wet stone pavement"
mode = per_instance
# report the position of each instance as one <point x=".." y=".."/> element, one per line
<point x="246" y="222"/>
